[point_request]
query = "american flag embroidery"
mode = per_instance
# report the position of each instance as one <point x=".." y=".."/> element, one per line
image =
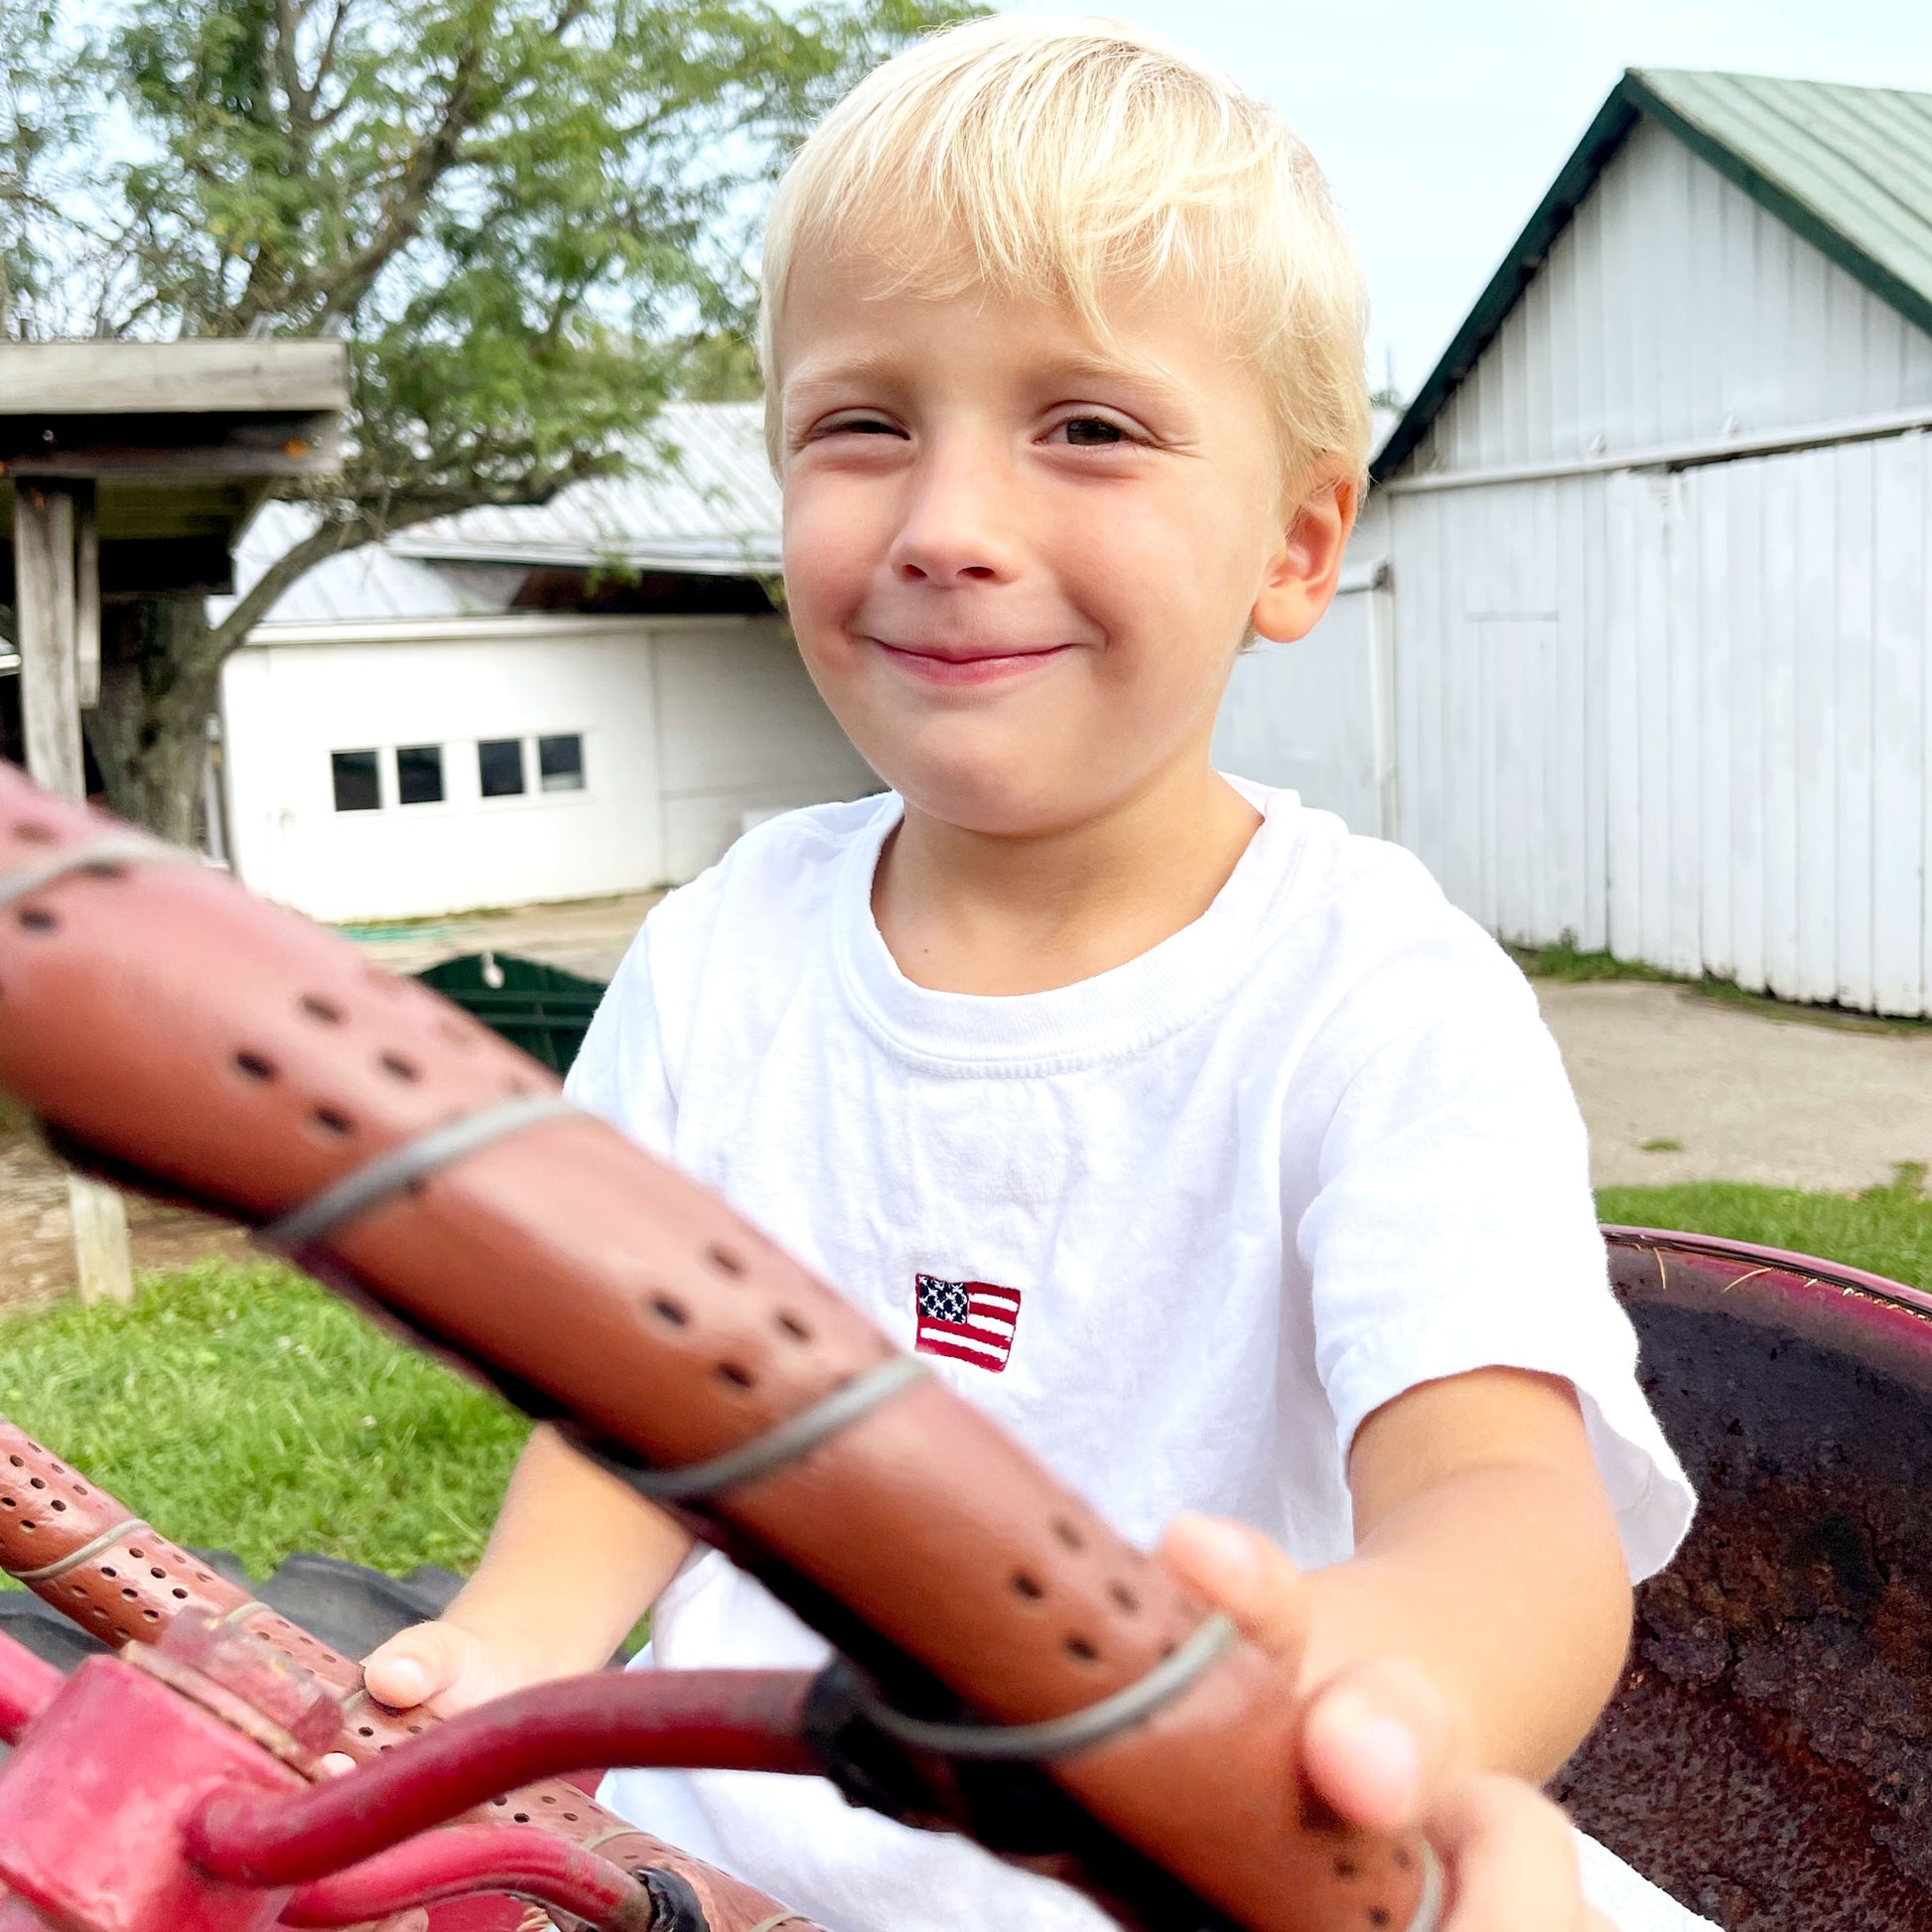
<point x="971" y="1321"/>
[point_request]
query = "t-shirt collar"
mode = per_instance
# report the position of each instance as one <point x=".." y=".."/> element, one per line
<point x="1113" y="1013"/>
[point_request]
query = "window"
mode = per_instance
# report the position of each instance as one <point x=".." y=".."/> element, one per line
<point x="357" y="786"/>
<point x="419" y="774"/>
<point x="499" y="767"/>
<point x="560" y="763"/>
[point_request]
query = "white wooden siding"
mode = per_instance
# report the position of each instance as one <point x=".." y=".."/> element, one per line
<point x="1673" y="309"/>
<point x="1316" y="716"/>
<point x="1682" y="716"/>
<point x="687" y="726"/>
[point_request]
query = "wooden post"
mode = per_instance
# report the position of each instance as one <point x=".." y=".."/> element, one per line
<point x="47" y="612"/>
<point x="86" y="598"/>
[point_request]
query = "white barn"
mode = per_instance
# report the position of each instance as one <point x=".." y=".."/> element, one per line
<point x="1634" y="643"/>
<point x="590" y="697"/>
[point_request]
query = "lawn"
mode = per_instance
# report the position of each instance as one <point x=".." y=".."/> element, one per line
<point x="243" y="1409"/>
<point x="1888" y="1230"/>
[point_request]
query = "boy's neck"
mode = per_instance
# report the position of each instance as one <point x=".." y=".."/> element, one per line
<point x="965" y="911"/>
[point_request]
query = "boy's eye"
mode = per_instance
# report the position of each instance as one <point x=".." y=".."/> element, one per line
<point x="860" y="426"/>
<point x="1093" y="432"/>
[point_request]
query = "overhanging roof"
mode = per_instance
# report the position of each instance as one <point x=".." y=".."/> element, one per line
<point x="181" y="441"/>
<point x="1848" y="168"/>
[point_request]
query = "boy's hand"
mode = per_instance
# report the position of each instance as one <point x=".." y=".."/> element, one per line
<point x="1381" y="1745"/>
<point x="440" y="1664"/>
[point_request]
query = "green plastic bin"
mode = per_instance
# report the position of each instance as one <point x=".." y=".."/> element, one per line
<point x="541" y="1009"/>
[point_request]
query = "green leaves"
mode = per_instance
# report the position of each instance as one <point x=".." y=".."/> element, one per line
<point x="530" y="220"/>
<point x="518" y="212"/>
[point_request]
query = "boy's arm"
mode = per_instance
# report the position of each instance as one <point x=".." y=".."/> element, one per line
<point x="1488" y="1554"/>
<point x="1487" y="1568"/>
<point x="574" y="1560"/>
<point x="1385" y="1744"/>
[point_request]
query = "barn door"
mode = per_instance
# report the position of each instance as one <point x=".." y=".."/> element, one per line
<point x="1314" y="716"/>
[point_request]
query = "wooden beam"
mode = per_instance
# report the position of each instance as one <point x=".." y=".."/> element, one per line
<point x="189" y="446"/>
<point x="46" y="606"/>
<point x="142" y="378"/>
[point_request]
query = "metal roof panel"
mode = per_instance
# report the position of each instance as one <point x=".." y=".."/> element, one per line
<point x="1850" y="169"/>
<point x="703" y="502"/>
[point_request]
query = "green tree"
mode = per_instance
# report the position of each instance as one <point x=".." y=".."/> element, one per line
<point x="530" y="219"/>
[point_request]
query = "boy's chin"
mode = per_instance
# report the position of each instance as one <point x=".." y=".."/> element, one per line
<point x="1000" y="803"/>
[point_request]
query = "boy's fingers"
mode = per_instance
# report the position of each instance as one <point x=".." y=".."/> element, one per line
<point x="1511" y="1860"/>
<point x="1239" y="1570"/>
<point x="1380" y="1744"/>
<point x="416" y="1664"/>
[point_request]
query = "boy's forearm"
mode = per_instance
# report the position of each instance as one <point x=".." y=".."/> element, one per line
<point x="1487" y="1552"/>
<point x="1517" y="1609"/>
<point x="574" y="1560"/>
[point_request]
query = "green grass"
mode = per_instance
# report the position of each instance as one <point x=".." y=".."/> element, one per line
<point x="245" y="1409"/>
<point x="1886" y="1230"/>
<point x="1564" y="964"/>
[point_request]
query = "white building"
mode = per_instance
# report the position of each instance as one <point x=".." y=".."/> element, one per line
<point x="1635" y="643"/>
<point x="590" y="697"/>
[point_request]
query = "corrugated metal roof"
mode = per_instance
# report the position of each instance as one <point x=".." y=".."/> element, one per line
<point x="703" y="503"/>
<point x="706" y="505"/>
<point x="360" y="586"/>
<point x="1848" y="168"/>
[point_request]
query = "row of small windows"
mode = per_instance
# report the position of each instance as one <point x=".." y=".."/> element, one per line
<point x="506" y="769"/>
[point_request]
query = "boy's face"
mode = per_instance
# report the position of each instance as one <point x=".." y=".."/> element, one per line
<point x="1020" y="560"/>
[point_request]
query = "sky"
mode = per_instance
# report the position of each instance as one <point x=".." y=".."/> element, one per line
<point x="1440" y="123"/>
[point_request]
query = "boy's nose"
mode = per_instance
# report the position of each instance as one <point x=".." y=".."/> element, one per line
<point x="957" y="523"/>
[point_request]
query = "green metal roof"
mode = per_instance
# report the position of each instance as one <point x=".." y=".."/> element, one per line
<point x="1848" y="168"/>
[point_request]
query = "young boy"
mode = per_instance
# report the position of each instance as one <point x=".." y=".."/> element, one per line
<point x="1203" y="1144"/>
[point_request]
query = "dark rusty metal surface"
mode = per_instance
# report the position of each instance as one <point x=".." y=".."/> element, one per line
<point x="1768" y="1757"/>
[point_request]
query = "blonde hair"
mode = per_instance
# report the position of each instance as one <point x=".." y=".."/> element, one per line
<point x="1030" y="154"/>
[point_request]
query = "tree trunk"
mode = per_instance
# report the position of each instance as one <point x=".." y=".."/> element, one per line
<point x="160" y="678"/>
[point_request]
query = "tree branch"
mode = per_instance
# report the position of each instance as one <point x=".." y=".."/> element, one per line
<point x="301" y="101"/>
<point x="435" y="155"/>
<point x="329" y="540"/>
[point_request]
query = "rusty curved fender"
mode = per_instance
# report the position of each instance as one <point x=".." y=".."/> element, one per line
<point x="205" y="1046"/>
<point x="83" y="1550"/>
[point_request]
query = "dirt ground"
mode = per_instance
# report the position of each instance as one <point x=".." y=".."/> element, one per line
<point x="1674" y="1086"/>
<point x="586" y="936"/>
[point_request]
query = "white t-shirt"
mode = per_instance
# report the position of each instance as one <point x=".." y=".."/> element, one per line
<point x="1181" y="1227"/>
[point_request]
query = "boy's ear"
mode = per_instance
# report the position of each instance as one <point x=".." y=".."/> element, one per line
<point x="1304" y="571"/>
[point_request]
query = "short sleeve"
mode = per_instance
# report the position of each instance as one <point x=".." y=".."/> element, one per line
<point x="1454" y="1229"/>
<point x="620" y="1072"/>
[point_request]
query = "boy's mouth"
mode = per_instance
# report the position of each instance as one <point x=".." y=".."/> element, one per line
<point x="967" y="663"/>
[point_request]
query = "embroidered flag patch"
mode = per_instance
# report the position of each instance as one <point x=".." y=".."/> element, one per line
<point x="971" y="1321"/>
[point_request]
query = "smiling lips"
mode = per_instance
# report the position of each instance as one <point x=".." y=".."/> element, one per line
<point x="965" y="664"/>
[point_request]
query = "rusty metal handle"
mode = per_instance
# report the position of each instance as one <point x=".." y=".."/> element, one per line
<point x="205" y="1046"/>
<point x="84" y="1551"/>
